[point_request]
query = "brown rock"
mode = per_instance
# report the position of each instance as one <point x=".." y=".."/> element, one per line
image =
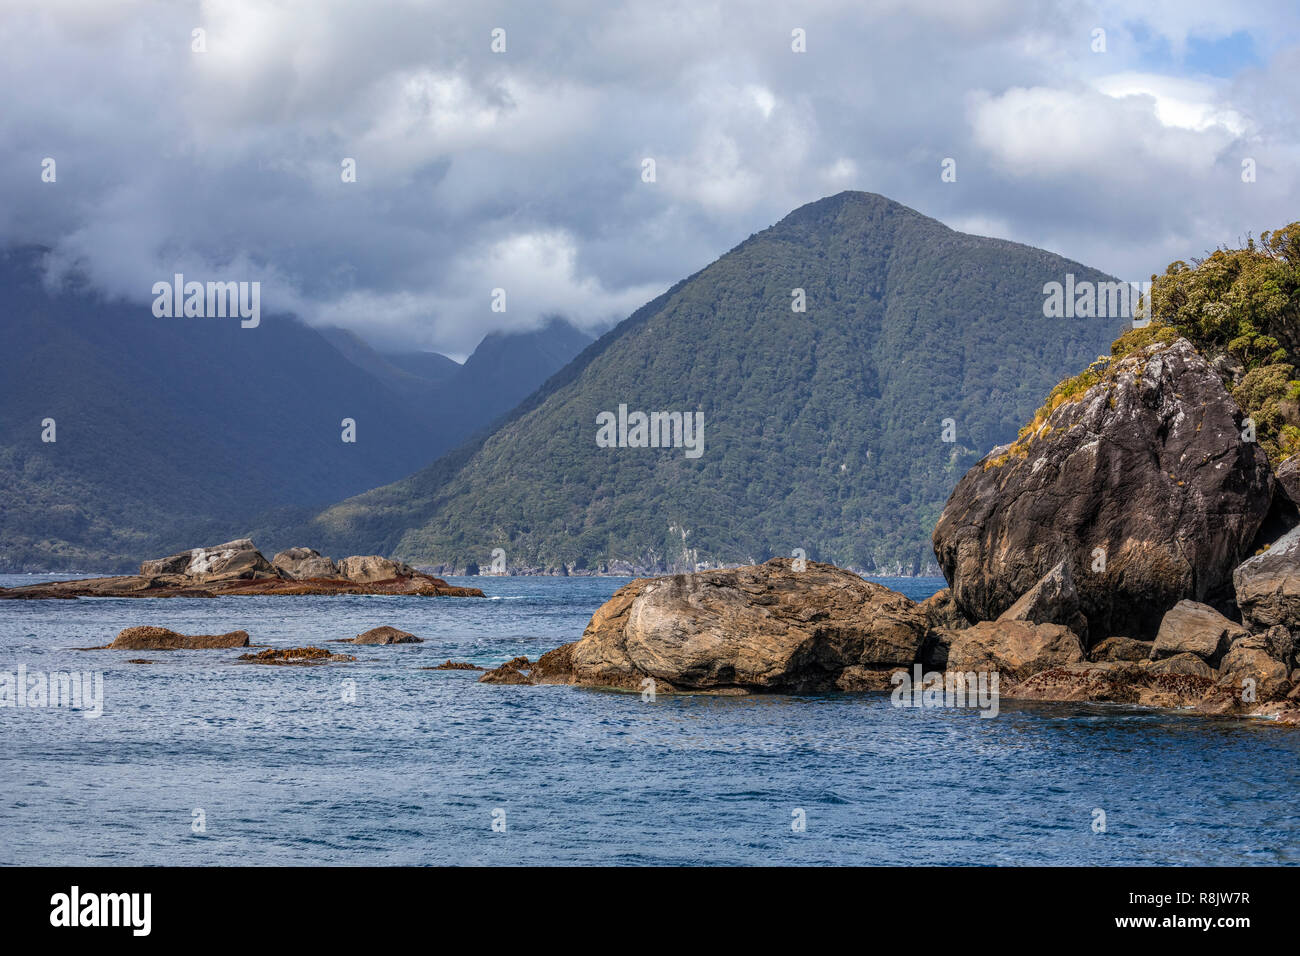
<point x="1121" y="649"/>
<point x="386" y="635"/>
<point x="234" y="560"/>
<point x="1014" y="648"/>
<point x="940" y="610"/>
<point x="1184" y="663"/>
<point x="150" y="638"/>
<point x="1192" y="628"/>
<point x="300" y="564"/>
<point x="1251" y="673"/>
<point x="372" y="568"/>
<point x="295" y="656"/>
<point x="763" y="627"/>
<point x="451" y="665"/>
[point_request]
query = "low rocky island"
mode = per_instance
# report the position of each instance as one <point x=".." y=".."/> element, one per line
<point x="1133" y="546"/>
<point x="238" y="568"/>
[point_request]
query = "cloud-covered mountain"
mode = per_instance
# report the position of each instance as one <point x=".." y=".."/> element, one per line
<point x="172" y="431"/>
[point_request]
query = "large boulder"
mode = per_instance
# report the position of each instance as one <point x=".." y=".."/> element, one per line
<point x="369" y="568"/>
<point x="763" y="627"/>
<point x="1017" y="649"/>
<point x="1192" y="628"/>
<point x="1140" y="483"/>
<point x="1268" y="585"/>
<point x="232" y="561"/>
<point x="300" y="564"/>
<point x="1251" y="672"/>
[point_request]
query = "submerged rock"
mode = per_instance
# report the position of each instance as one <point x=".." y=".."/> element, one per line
<point x="1141" y="484"/>
<point x="450" y="665"/>
<point x="149" y="638"/>
<point x="296" y="656"/>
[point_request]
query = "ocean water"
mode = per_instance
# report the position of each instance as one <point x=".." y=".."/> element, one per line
<point x="281" y="769"/>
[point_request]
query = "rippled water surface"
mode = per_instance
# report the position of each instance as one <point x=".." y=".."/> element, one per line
<point x="285" y="771"/>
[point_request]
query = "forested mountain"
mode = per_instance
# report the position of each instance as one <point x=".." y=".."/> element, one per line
<point x="824" y="429"/>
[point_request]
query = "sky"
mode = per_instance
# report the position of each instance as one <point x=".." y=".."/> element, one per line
<point x="523" y="168"/>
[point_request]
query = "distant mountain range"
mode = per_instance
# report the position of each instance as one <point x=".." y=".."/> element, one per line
<point x="839" y="430"/>
<point x="172" y="432"/>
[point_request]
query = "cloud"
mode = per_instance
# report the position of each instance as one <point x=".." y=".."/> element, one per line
<point x="521" y="169"/>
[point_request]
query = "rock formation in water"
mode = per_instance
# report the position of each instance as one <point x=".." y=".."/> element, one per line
<point x="1142" y="484"/>
<point x="386" y="635"/>
<point x="150" y="638"/>
<point x="238" y="568"/>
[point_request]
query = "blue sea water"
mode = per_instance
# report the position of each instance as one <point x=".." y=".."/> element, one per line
<point x="284" y="771"/>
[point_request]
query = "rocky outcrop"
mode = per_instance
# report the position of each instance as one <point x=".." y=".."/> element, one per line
<point x="769" y="628"/>
<point x="764" y="627"/>
<point x="386" y="635"/>
<point x="1192" y="628"/>
<point x="233" y="561"/>
<point x="302" y="564"/>
<point x="1015" y="648"/>
<point x="1140" y="483"/>
<point x="1268" y="585"/>
<point x="150" y="638"/>
<point x="238" y="568"/>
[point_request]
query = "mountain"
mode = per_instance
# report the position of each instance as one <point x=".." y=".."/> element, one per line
<point x="823" y="430"/>
<point x="172" y="431"/>
<point x="504" y="369"/>
<point x="431" y="366"/>
<point x="395" y="371"/>
<point x="507" y="367"/>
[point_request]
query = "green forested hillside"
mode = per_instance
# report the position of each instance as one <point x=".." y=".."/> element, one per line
<point x="822" y="430"/>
